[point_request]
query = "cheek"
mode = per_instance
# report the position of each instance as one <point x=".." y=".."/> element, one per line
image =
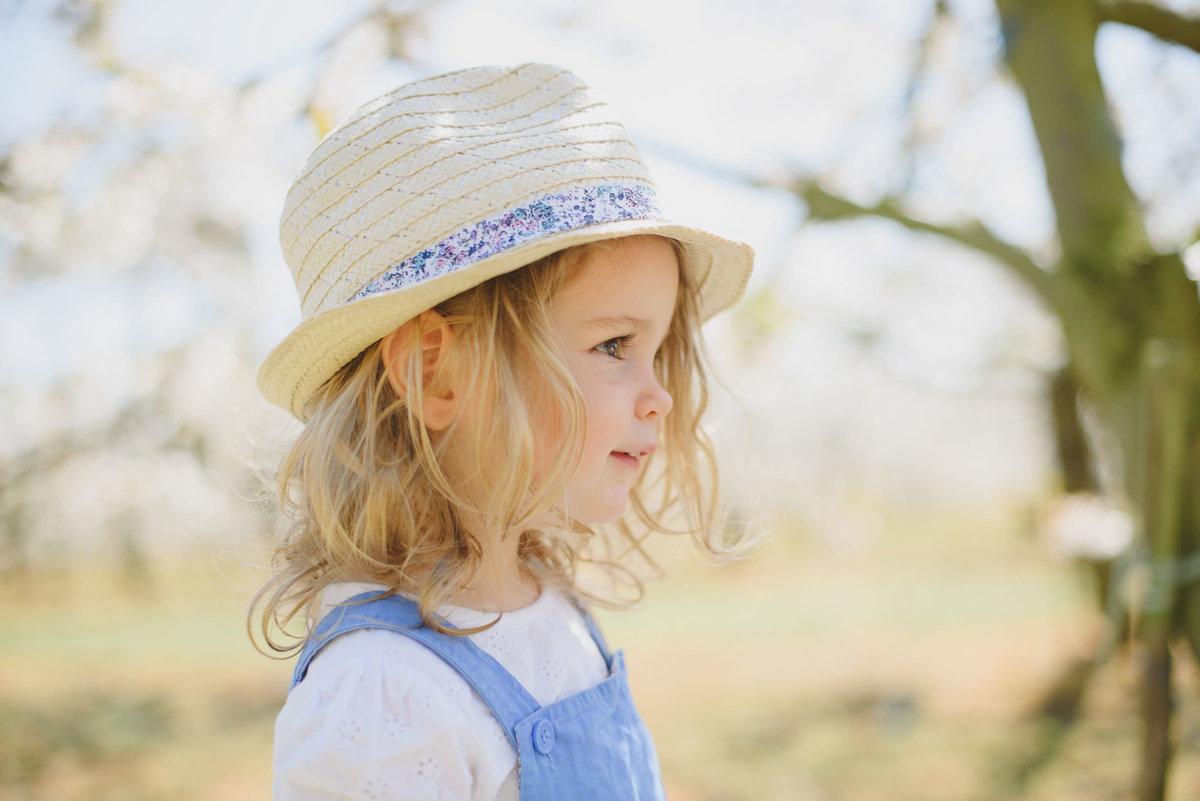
<point x="553" y="451"/>
<point x="593" y="405"/>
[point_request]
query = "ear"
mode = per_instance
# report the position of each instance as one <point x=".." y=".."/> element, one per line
<point x="438" y="404"/>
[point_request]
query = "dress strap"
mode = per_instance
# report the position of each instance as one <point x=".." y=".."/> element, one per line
<point x="593" y="629"/>
<point x="504" y="695"/>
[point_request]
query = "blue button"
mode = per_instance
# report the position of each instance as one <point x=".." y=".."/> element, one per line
<point x="543" y="736"/>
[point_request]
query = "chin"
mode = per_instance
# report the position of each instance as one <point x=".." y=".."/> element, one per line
<point x="598" y="514"/>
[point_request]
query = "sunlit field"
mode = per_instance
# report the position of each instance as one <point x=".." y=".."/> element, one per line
<point x="904" y="670"/>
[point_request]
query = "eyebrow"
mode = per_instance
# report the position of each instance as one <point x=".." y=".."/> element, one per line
<point x="637" y="323"/>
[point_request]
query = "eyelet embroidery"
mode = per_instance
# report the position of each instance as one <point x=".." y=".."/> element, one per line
<point x="428" y="769"/>
<point x="552" y="669"/>
<point x="427" y="699"/>
<point x="497" y="642"/>
<point x="550" y="214"/>
<point x="376" y="787"/>
<point x="395" y="726"/>
<point x="349" y="729"/>
<point x="454" y="687"/>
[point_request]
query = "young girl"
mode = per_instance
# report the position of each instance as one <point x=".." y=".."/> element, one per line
<point x="499" y="369"/>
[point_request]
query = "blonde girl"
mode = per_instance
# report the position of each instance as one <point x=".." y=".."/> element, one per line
<point x="499" y="370"/>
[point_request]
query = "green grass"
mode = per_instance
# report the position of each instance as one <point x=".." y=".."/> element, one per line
<point x="900" y="672"/>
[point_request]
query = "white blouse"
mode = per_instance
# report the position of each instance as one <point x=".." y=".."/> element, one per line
<point x="380" y="716"/>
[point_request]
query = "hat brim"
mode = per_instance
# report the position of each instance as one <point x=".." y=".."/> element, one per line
<point x="318" y="347"/>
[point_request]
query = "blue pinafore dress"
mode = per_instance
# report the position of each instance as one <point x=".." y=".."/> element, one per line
<point x="591" y="745"/>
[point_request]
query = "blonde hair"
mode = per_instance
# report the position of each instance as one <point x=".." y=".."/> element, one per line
<point x="365" y="496"/>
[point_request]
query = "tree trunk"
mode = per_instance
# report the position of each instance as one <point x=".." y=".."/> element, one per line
<point x="1075" y="461"/>
<point x="1131" y="319"/>
<point x="1164" y="410"/>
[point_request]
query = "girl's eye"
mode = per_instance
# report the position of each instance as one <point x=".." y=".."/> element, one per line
<point x="613" y="347"/>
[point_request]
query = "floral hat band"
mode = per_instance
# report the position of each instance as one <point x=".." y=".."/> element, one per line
<point x="551" y="214"/>
<point x="447" y="182"/>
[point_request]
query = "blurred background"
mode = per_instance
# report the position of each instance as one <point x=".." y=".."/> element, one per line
<point x="963" y="383"/>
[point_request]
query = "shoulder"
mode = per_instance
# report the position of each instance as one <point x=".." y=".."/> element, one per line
<point x="378" y="712"/>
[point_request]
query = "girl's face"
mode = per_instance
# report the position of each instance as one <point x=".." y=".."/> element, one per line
<point x="609" y="323"/>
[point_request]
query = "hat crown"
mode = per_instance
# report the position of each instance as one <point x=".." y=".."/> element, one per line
<point x="440" y="157"/>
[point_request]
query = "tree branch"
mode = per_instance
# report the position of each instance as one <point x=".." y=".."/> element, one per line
<point x="1050" y="48"/>
<point x="1168" y="25"/>
<point x="823" y="205"/>
<point x="924" y="57"/>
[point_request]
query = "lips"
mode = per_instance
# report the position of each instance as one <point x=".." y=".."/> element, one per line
<point x="633" y="459"/>
<point x="626" y="459"/>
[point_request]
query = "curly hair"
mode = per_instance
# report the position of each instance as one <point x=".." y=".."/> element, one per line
<point x="364" y="495"/>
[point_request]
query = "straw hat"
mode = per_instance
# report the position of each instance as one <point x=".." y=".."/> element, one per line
<point x="447" y="182"/>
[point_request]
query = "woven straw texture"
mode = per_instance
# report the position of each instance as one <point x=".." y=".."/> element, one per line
<point x="430" y="160"/>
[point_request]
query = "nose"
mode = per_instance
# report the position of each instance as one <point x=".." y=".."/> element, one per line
<point x="653" y="401"/>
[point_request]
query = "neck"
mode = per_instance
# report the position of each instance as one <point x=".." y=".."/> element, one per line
<point x="503" y="584"/>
